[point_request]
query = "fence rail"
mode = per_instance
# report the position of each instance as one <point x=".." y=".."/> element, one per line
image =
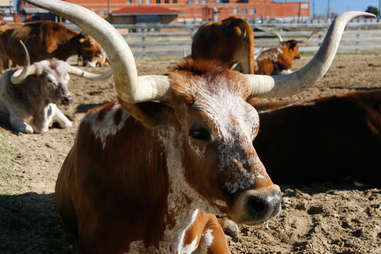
<point x="175" y="40"/>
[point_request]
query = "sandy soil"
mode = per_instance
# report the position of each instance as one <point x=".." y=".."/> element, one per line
<point x="321" y="218"/>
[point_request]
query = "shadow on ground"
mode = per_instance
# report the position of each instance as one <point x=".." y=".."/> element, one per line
<point x="29" y="223"/>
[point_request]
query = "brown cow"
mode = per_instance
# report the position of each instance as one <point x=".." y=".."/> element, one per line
<point x="230" y="41"/>
<point x="45" y="39"/>
<point x="323" y="139"/>
<point x="134" y="182"/>
<point x="278" y="60"/>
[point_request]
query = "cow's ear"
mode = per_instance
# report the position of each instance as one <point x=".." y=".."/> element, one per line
<point x="151" y="114"/>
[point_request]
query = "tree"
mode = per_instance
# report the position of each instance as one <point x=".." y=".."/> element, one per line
<point x="374" y="10"/>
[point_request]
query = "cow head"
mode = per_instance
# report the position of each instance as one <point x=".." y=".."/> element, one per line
<point x="92" y="53"/>
<point x="216" y="126"/>
<point x="203" y="113"/>
<point x="52" y="75"/>
<point x="291" y="49"/>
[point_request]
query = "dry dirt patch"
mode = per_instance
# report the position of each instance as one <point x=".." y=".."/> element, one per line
<point x="320" y="218"/>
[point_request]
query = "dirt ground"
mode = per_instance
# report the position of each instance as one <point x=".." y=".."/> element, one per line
<point x="320" y="218"/>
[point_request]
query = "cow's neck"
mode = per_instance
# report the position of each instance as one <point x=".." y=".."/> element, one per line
<point x="154" y="167"/>
<point x="183" y="200"/>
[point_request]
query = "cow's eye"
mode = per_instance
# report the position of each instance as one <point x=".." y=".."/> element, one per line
<point x="199" y="133"/>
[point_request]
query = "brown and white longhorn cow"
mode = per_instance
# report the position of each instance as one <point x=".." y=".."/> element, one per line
<point x="230" y="41"/>
<point x="328" y="138"/>
<point x="46" y="39"/>
<point x="136" y="182"/>
<point x="30" y="94"/>
<point x="278" y="60"/>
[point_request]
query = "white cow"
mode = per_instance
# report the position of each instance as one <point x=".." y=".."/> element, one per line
<point x="29" y="94"/>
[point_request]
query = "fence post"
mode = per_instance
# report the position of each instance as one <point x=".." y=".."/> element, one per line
<point x="357" y="40"/>
<point x="144" y="46"/>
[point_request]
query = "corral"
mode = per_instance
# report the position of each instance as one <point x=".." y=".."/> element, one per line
<point x="325" y="217"/>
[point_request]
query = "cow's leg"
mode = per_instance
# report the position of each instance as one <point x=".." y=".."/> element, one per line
<point x="60" y="117"/>
<point x="42" y="120"/>
<point x="19" y="125"/>
<point x="206" y="235"/>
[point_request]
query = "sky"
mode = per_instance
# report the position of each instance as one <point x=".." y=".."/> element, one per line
<point x="339" y="6"/>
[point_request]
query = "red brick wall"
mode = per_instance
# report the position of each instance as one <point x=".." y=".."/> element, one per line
<point x="263" y="8"/>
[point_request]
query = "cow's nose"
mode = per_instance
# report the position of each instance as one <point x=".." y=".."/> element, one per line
<point x="263" y="207"/>
<point x="257" y="205"/>
<point x="67" y="100"/>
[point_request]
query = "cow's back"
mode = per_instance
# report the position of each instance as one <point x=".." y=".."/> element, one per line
<point x="42" y="39"/>
<point x="230" y="41"/>
<point x="323" y="139"/>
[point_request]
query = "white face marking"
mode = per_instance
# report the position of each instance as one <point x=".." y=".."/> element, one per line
<point x="235" y="121"/>
<point x="106" y="127"/>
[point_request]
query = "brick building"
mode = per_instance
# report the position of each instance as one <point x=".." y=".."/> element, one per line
<point x="191" y="10"/>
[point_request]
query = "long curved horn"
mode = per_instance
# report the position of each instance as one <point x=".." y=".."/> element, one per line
<point x="79" y="72"/>
<point x="22" y="73"/>
<point x="284" y="85"/>
<point x="129" y="87"/>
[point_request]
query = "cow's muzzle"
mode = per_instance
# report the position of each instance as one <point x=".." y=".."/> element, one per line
<point x="258" y="205"/>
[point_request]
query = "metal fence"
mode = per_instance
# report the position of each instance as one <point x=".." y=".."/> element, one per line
<point x="175" y="40"/>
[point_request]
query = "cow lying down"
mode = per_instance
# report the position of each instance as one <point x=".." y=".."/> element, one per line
<point x="29" y="94"/>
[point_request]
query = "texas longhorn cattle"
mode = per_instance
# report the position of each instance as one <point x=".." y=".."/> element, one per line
<point x="134" y="182"/>
<point x="230" y="41"/>
<point x="46" y="39"/>
<point x="30" y="94"/>
<point x="278" y="60"/>
<point x="329" y="138"/>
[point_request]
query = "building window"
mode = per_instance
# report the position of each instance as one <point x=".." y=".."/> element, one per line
<point x="304" y="6"/>
<point x="175" y="1"/>
<point x="253" y="10"/>
<point x="204" y="1"/>
<point x="101" y="12"/>
<point x="157" y="1"/>
<point x="189" y="2"/>
<point x="148" y="1"/>
<point x="166" y="1"/>
<point x="196" y="1"/>
<point x="235" y="11"/>
<point x="244" y="11"/>
<point x="129" y="1"/>
<point x="140" y="2"/>
<point x="222" y="1"/>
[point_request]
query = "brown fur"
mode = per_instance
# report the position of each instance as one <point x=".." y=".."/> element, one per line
<point x="274" y="61"/>
<point x="323" y="139"/>
<point x="44" y="39"/>
<point x="230" y="40"/>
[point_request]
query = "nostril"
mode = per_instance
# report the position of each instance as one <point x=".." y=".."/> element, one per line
<point x="263" y="207"/>
<point x="257" y="207"/>
<point x="67" y="100"/>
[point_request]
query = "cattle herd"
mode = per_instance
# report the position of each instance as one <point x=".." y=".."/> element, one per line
<point x="149" y="172"/>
